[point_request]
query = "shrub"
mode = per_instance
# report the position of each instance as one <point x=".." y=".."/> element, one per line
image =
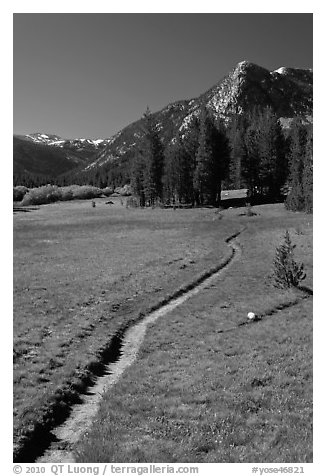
<point x="125" y="191"/>
<point x="107" y="191"/>
<point x="19" y="192"/>
<point x="84" y="192"/>
<point x="66" y="193"/>
<point x="40" y="195"/>
<point x="218" y="212"/>
<point x="287" y="272"/>
<point x="53" y="193"/>
<point x="80" y="192"/>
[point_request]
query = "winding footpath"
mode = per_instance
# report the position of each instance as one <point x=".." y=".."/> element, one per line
<point x="127" y="347"/>
<point x="82" y="415"/>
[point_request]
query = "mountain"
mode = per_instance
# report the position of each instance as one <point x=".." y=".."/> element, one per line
<point x="50" y="155"/>
<point x="288" y="91"/>
<point x="74" y="144"/>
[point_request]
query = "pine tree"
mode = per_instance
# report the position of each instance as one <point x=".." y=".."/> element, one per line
<point x="170" y="174"/>
<point x="153" y="153"/>
<point x="287" y="272"/>
<point x="308" y="173"/>
<point x="204" y="159"/>
<point x="298" y="141"/>
<point x="191" y="143"/>
<point x="212" y="160"/>
<point x="272" y="150"/>
<point x="250" y="160"/>
<point x="264" y="161"/>
<point x="221" y="163"/>
<point x="178" y="172"/>
<point x="137" y="177"/>
<point x="235" y="133"/>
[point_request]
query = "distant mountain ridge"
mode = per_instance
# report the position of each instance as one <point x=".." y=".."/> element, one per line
<point x="288" y="91"/>
<point x="50" y="155"/>
<point x="57" y="141"/>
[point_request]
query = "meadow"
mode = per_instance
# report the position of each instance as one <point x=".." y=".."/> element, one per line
<point x="195" y="394"/>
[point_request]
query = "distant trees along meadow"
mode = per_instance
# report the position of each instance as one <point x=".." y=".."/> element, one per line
<point x="251" y="151"/>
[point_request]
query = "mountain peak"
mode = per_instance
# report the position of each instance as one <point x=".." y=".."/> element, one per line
<point x="245" y="66"/>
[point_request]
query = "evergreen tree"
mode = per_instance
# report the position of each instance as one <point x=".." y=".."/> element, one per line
<point x="287" y="272"/>
<point x="137" y="178"/>
<point x="250" y="160"/>
<point x="176" y="172"/>
<point x="235" y="133"/>
<point x="221" y="163"/>
<point x="204" y="158"/>
<point x="298" y="143"/>
<point x="308" y="173"/>
<point x="191" y="144"/>
<point x="212" y="159"/>
<point x="272" y="151"/>
<point x="153" y="153"/>
<point x="180" y="163"/>
<point x="264" y="160"/>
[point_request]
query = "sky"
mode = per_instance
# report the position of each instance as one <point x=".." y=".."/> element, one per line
<point x="89" y="75"/>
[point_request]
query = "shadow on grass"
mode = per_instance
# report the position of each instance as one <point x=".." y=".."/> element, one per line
<point x="25" y="209"/>
<point x="243" y="201"/>
<point x="234" y="202"/>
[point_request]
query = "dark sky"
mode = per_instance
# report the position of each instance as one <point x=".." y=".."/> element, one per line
<point x="90" y="75"/>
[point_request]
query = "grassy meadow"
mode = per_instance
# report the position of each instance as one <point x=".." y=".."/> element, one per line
<point x="195" y="393"/>
<point x="80" y="273"/>
<point x="206" y="391"/>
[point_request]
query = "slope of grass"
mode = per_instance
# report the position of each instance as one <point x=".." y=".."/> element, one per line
<point x="198" y="394"/>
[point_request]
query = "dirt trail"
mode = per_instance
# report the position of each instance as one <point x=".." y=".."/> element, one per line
<point x="83" y="414"/>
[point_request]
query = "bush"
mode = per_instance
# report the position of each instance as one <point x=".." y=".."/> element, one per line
<point x="66" y="194"/>
<point x="40" y="195"/>
<point x="19" y="192"/>
<point x="53" y="193"/>
<point x="249" y="210"/>
<point x="125" y="191"/>
<point x="107" y="191"/>
<point x="84" y="192"/>
<point x="287" y="272"/>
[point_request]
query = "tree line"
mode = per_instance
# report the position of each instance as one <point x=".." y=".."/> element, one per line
<point x="250" y="151"/>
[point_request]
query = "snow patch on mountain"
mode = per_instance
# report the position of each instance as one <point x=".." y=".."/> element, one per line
<point x="56" y="141"/>
<point x="281" y="70"/>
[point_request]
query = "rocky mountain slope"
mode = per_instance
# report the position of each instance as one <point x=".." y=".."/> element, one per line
<point x="288" y="91"/>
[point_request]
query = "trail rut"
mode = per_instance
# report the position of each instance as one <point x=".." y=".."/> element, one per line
<point x="82" y="415"/>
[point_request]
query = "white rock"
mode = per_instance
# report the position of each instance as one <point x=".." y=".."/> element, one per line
<point x="251" y="316"/>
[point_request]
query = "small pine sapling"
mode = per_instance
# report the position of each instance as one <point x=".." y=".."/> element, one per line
<point x="249" y="211"/>
<point x="287" y="272"/>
